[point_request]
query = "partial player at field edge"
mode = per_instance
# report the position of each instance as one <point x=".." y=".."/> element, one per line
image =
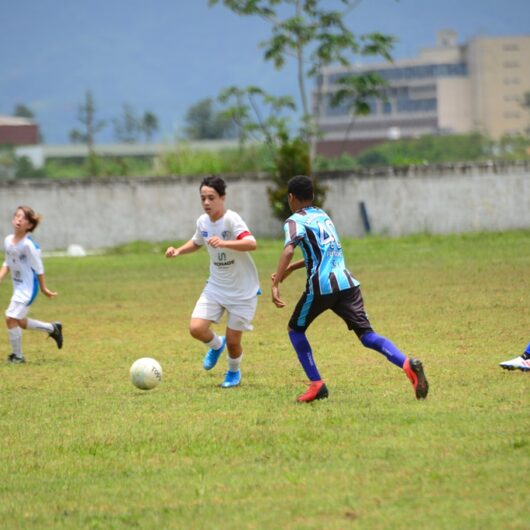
<point x="521" y="362"/>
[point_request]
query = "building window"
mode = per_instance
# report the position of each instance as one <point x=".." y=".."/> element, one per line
<point x="510" y="47"/>
<point x="512" y="115"/>
<point x="412" y="72"/>
<point x="416" y="105"/>
<point x="387" y="107"/>
<point x="511" y="81"/>
<point x="510" y="64"/>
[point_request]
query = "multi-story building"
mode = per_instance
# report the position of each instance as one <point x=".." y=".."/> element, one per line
<point x="451" y="88"/>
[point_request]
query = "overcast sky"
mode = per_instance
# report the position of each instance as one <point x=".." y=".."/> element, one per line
<point x="166" y="55"/>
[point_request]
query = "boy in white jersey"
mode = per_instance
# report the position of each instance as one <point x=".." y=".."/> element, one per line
<point x="233" y="284"/>
<point x="23" y="262"/>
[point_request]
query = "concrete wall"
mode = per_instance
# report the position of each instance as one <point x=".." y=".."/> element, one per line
<point x="102" y="213"/>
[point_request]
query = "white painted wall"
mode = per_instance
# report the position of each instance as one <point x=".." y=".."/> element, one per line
<point x="103" y="213"/>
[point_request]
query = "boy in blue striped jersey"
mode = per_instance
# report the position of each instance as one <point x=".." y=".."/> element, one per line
<point x="330" y="285"/>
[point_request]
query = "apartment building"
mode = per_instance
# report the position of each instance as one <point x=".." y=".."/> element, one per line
<point x="448" y="89"/>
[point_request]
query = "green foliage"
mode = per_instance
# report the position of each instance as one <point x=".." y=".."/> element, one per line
<point x="256" y="114"/>
<point x="342" y="162"/>
<point x="23" y="111"/>
<point x="185" y="161"/>
<point x="83" y="449"/>
<point x="204" y="121"/>
<point x="25" y="169"/>
<point x="292" y="159"/>
<point x="356" y="91"/>
<point x="513" y="147"/>
<point x="317" y="37"/>
<point x="90" y="126"/>
<point x="105" y="167"/>
<point x="127" y="126"/>
<point x="149" y="125"/>
<point x="427" y="150"/>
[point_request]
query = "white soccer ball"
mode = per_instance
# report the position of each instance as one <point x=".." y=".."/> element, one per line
<point x="146" y="373"/>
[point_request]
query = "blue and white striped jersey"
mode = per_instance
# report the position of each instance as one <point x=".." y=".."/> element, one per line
<point x="313" y="230"/>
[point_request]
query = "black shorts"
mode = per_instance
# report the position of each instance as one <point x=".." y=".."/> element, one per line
<point x="347" y="304"/>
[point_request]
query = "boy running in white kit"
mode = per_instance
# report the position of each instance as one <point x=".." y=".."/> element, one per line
<point x="233" y="284"/>
<point x="23" y="262"/>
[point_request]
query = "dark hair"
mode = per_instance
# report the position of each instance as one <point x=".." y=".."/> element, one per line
<point x="30" y="216"/>
<point x="301" y="187"/>
<point x="215" y="182"/>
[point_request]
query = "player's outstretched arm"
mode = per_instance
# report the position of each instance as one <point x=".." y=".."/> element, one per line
<point x="44" y="288"/>
<point x="187" y="248"/>
<point x="283" y="263"/>
<point x="4" y="269"/>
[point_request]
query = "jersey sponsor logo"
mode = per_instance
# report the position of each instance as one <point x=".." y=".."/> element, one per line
<point x="222" y="260"/>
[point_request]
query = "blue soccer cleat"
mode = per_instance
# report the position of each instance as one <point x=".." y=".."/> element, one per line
<point x="212" y="356"/>
<point x="231" y="379"/>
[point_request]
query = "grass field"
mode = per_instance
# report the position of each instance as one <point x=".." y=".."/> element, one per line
<point x="82" y="448"/>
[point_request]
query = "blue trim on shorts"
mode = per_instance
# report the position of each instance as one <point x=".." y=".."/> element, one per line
<point x="305" y="310"/>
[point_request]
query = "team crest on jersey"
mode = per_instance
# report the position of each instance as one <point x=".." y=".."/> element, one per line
<point x="22" y="257"/>
<point x="226" y="234"/>
<point x="204" y="233"/>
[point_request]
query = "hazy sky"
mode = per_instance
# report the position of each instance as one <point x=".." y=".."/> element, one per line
<point x="166" y="55"/>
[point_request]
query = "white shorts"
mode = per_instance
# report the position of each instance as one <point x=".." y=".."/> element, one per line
<point x="17" y="310"/>
<point x="240" y="314"/>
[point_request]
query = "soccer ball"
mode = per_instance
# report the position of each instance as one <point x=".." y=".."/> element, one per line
<point x="146" y="373"/>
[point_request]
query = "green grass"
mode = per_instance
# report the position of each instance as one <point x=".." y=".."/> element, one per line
<point x="82" y="448"/>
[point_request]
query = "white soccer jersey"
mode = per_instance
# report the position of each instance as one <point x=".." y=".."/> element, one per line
<point x="25" y="263"/>
<point x="233" y="274"/>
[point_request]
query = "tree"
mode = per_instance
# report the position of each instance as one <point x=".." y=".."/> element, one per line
<point x="22" y="111"/>
<point x="86" y="114"/>
<point x="204" y="122"/>
<point x="128" y="126"/>
<point x="315" y="36"/>
<point x="355" y="93"/>
<point x="148" y="125"/>
<point x="256" y="114"/>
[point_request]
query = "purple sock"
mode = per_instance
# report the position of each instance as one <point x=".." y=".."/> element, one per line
<point x="383" y="345"/>
<point x="305" y="355"/>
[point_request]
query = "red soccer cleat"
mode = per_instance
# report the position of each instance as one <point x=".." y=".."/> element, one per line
<point x="414" y="370"/>
<point x="316" y="390"/>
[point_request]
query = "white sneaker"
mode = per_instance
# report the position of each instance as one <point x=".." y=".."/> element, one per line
<point x="518" y="362"/>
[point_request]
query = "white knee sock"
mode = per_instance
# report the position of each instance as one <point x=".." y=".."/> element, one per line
<point x="40" y="326"/>
<point x="234" y="364"/>
<point x="15" y="338"/>
<point x="215" y="343"/>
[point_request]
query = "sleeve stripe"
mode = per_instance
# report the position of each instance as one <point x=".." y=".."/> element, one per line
<point x="244" y="234"/>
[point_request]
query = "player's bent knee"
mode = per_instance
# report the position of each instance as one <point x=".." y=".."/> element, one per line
<point x="198" y="332"/>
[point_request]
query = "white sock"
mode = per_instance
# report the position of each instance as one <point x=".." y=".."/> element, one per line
<point x="234" y="364"/>
<point x="215" y="343"/>
<point x="40" y="326"/>
<point x="15" y="338"/>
